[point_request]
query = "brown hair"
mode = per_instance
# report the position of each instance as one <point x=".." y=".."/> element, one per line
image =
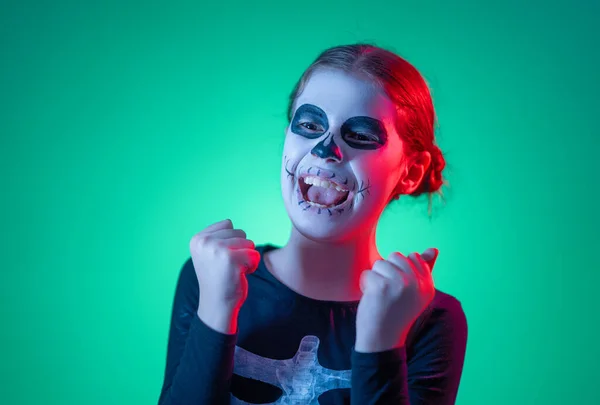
<point x="405" y="86"/>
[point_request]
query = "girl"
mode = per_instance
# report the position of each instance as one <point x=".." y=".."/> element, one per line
<point x="325" y="319"/>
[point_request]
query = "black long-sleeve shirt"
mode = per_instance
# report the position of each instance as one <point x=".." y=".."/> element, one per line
<point x="291" y="349"/>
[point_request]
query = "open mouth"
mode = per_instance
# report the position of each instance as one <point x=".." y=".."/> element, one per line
<point x="321" y="192"/>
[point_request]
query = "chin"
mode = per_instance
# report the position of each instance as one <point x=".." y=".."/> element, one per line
<point x="320" y="232"/>
<point x="323" y="226"/>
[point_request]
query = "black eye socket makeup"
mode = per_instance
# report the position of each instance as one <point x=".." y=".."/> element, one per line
<point x="364" y="133"/>
<point x="358" y="132"/>
<point x="309" y="121"/>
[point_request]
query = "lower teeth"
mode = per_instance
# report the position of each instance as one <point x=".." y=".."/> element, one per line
<point x="314" y="204"/>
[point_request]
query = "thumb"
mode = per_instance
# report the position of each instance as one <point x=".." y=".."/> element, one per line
<point x="361" y="281"/>
<point x="430" y="256"/>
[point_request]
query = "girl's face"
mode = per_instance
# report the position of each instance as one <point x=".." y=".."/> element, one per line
<point x="342" y="157"/>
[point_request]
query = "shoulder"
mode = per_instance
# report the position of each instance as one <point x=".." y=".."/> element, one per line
<point x="436" y="352"/>
<point x="443" y="319"/>
<point x="187" y="272"/>
<point x="447" y="309"/>
<point x="187" y="290"/>
<point x="265" y="247"/>
<point x="446" y="303"/>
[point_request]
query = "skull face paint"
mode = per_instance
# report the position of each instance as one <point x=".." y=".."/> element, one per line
<point x="341" y="157"/>
<point x="364" y="133"/>
<point x="358" y="132"/>
<point x="309" y="121"/>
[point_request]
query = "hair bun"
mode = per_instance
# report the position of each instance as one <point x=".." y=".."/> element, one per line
<point x="437" y="159"/>
<point x="435" y="174"/>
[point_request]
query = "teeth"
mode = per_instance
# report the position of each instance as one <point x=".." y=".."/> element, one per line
<point x="314" y="204"/>
<point x="315" y="181"/>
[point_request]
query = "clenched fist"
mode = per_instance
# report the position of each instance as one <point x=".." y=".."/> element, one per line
<point x="222" y="257"/>
<point x="395" y="292"/>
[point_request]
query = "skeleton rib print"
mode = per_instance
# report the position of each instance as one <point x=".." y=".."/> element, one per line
<point x="301" y="378"/>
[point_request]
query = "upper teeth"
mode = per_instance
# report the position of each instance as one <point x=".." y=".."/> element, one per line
<point x="315" y="181"/>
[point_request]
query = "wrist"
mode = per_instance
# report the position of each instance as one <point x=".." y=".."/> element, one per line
<point x="223" y="320"/>
<point x="378" y="343"/>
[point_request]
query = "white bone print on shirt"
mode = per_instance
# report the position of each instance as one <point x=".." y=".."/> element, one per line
<point x="301" y="378"/>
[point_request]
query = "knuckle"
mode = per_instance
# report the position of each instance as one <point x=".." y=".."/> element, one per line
<point x="379" y="264"/>
<point x="228" y="259"/>
<point x="195" y="242"/>
<point x="411" y="285"/>
<point x="202" y="241"/>
<point x="383" y="287"/>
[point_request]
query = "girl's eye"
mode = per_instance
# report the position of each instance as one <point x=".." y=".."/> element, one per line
<point x="361" y="137"/>
<point x="309" y="125"/>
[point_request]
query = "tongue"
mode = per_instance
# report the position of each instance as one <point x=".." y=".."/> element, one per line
<point x="325" y="196"/>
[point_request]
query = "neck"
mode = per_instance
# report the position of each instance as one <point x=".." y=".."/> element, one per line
<point x="325" y="270"/>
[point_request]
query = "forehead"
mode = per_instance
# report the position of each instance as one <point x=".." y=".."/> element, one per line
<point x="342" y="96"/>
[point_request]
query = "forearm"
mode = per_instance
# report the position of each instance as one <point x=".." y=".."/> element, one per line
<point x="380" y="378"/>
<point x="204" y="372"/>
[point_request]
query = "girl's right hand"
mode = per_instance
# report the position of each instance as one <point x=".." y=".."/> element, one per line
<point x="222" y="257"/>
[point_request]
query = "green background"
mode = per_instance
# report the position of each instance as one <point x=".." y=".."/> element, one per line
<point x="126" y="127"/>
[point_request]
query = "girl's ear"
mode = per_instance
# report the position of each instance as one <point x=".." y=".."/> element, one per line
<point x="413" y="173"/>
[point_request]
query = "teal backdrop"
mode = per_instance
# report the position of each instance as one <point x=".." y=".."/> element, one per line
<point x="128" y="126"/>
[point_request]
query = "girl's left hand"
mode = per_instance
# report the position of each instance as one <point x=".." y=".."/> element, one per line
<point x="395" y="292"/>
